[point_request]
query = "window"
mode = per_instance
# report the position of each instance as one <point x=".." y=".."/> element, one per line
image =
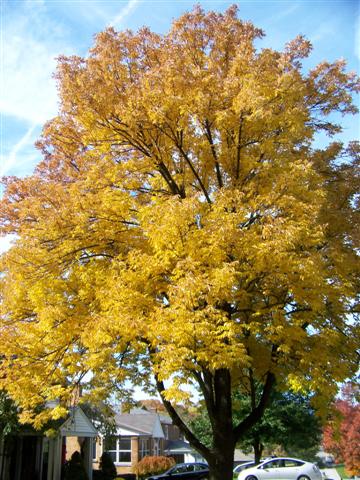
<point x="124" y="449"/>
<point x="93" y="448"/>
<point x="271" y="464"/>
<point x="199" y="467"/>
<point x="144" y="447"/>
<point x="292" y="463"/>
<point x="156" y="447"/>
<point x="182" y="469"/>
<point x="119" y="449"/>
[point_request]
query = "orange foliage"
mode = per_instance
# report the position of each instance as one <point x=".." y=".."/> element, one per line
<point x="342" y="433"/>
<point x="154" y="465"/>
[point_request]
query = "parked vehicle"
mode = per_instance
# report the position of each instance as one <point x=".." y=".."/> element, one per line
<point x="184" y="471"/>
<point x="282" y="468"/>
<point x="243" y="466"/>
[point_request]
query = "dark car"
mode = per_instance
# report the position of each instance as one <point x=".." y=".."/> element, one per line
<point x="184" y="471"/>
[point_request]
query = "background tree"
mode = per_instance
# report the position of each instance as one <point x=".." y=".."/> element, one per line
<point x="289" y="424"/>
<point x="74" y="469"/>
<point x="8" y="415"/>
<point x="9" y="424"/>
<point x="107" y="467"/>
<point x="102" y="416"/>
<point x="342" y="433"/>
<point x="182" y="226"/>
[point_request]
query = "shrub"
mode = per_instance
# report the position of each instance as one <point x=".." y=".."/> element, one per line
<point x="107" y="467"/>
<point x="154" y="465"/>
<point x="97" y="475"/>
<point x="74" y="469"/>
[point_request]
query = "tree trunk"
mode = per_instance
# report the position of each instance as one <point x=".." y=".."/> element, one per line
<point x="258" y="449"/>
<point x="221" y="460"/>
<point x="221" y="455"/>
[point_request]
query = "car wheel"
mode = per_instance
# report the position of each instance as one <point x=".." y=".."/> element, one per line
<point x="303" y="477"/>
<point x="251" y="477"/>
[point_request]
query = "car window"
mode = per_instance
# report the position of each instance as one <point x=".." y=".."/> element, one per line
<point x="198" y="468"/>
<point x="244" y="466"/>
<point x="271" y="464"/>
<point x="189" y="468"/>
<point x="179" y="469"/>
<point x="292" y="463"/>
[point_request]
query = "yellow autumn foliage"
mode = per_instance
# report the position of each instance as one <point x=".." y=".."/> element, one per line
<point x="182" y="224"/>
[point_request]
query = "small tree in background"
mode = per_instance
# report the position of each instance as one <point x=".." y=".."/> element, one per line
<point x="153" y="465"/>
<point x="74" y="469"/>
<point x="107" y="467"/>
<point x="8" y="415"/>
<point x="342" y="432"/>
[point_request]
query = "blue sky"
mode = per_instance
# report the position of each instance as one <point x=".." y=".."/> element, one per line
<point x="35" y="32"/>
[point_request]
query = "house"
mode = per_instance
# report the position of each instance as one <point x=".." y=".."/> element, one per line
<point x="30" y="455"/>
<point x="181" y="451"/>
<point x="139" y="433"/>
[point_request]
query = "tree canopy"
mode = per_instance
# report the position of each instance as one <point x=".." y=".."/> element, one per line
<point x="182" y="225"/>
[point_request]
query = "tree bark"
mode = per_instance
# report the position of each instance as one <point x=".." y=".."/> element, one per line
<point x="258" y="449"/>
<point x="221" y="458"/>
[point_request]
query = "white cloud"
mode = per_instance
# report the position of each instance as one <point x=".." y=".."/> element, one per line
<point x="280" y="15"/>
<point x="6" y="242"/>
<point x="30" y="43"/>
<point x="124" y="12"/>
<point x="323" y="31"/>
<point x="10" y="161"/>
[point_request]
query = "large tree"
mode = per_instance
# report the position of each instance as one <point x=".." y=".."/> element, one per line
<point x="182" y="226"/>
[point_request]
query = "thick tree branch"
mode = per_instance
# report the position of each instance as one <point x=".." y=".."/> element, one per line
<point x="193" y="440"/>
<point x="214" y="154"/>
<point x="196" y="175"/>
<point x="169" y="180"/>
<point x="238" y="150"/>
<point x="258" y="411"/>
<point x="206" y="388"/>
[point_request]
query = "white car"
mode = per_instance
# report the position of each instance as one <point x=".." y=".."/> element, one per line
<point x="282" y="468"/>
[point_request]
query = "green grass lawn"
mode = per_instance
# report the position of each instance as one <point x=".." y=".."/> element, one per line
<point x="342" y="472"/>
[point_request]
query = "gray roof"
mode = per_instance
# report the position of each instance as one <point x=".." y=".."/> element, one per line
<point x="140" y="422"/>
<point x="178" y="447"/>
<point x="165" y="419"/>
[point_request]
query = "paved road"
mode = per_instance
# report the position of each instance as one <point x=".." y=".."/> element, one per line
<point x="331" y="473"/>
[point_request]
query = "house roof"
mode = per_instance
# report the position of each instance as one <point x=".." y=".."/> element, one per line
<point x="141" y="422"/>
<point x="78" y="425"/>
<point x="178" y="447"/>
<point x="165" y="419"/>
